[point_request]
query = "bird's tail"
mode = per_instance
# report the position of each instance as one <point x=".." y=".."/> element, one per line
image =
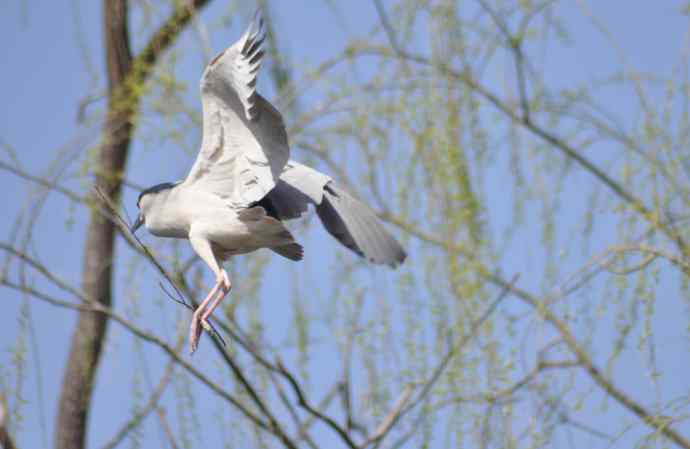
<point x="292" y="251"/>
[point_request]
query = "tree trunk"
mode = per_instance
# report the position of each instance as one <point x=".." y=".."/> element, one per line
<point x="88" y="336"/>
<point x="124" y="75"/>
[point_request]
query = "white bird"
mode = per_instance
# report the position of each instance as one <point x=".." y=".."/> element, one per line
<point x="243" y="184"/>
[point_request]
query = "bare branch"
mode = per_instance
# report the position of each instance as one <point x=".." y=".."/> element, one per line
<point x="387" y="27"/>
<point x="554" y="140"/>
<point x="125" y="77"/>
<point x="514" y="42"/>
<point x="42" y="269"/>
<point x="455" y="348"/>
<point x="151" y="405"/>
<point x="582" y="357"/>
<point x="166" y="427"/>
<point x="42" y="181"/>
<point x="323" y="405"/>
<point x="93" y="306"/>
<point x="392" y="417"/>
<point x="218" y="341"/>
<point x="304" y="403"/>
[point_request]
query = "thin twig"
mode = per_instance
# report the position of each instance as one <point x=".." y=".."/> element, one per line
<point x="151" y="404"/>
<point x="166" y="427"/>
<point x="275" y="426"/>
<point x="554" y="140"/>
<point x="514" y="42"/>
<point x="125" y="227"/>
<point x="323" y="405"/>
<point x="392" y="417"/>
<point x="42" y="269"/>
<point x="304" y="403"/>
<point x="92" y="306"/>
<point x="387" y="27"/>
<point x="42" y="181"/>
<point x="302" y="432"/>
<point x="583" y="358"/>
<point x="453" y="349"/>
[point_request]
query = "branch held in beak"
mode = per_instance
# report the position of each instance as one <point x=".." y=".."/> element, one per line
<point x="137" y="224"/>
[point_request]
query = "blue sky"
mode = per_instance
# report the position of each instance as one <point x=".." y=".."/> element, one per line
<point x="52" y="60"/>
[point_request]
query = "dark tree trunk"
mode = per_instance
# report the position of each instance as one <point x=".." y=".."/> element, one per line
<point x="88" y="336"/>
<point x="6" y="441"/>
<point x="124" y="75"/>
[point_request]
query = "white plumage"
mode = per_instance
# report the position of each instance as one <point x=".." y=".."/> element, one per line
<point x="242" y="184"/>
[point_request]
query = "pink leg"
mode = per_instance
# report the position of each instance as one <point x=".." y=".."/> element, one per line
<point x="194" y="328"/>
<point x="225" y="289"/>
<point x="204" y="248"/>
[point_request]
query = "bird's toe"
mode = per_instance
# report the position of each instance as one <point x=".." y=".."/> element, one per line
<point x="194" y="334"/>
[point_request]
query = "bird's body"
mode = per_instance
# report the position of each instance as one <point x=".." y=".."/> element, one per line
<point x="242" y="185"/>
<point x="231" y="230"/>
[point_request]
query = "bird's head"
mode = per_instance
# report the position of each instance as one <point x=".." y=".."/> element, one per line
<point x="146" y="203"/>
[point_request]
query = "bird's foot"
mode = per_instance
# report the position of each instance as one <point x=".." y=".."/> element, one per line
<point x="195" y="333"/>
<point x="205" y="309"/>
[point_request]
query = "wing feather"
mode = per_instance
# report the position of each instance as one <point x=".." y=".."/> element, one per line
<point x="362" y="225"/>
<point x="347" y="219"/>
<point x="244" y="146"/>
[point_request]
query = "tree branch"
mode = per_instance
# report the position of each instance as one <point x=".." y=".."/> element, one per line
<point x="151" y="404"/>
<point x="304" y="403"/>
<point x="391" y="418"/>
<point x="583" y="358"/>
<point x="98" y="308"/>
<point x="554" y="140"/>
<point x="125" y="76"/>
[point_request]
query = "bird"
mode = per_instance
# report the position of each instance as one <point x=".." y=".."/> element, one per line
<point x="243" y="185"/>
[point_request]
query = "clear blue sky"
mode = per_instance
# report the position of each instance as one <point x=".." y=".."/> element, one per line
<point x="45" y="74"/>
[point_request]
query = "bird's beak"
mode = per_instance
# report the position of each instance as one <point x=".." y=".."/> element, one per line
<point x="137" y="224"/>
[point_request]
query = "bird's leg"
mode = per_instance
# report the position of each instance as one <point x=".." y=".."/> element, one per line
<point x="194" y="328"/>
<point x="225" y="284"/>
<point x="205" y="309"/>
<point x="204" y="248"/>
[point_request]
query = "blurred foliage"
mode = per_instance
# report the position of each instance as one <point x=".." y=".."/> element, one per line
<point x="447" y="119"/>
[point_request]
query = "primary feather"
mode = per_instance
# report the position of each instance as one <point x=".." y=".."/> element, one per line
<point x="346" y="218"/>
<point x="244" y="145"/>
<point x="242" y="184"/>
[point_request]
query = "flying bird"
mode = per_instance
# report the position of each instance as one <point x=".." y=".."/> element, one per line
<point x="243" y="185"/>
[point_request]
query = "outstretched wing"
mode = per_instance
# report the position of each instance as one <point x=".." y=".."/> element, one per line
<point x="347" y="219"/>
<point x="244" y="146"/>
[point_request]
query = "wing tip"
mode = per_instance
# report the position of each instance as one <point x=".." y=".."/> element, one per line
<point x="258" y="17"/>
<point x="399" y="259"/>
<point x="395" y="257"/>
<point x="256" y="32"/>
<point x="366" y="235"/>
<point x="292" y="251"/>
